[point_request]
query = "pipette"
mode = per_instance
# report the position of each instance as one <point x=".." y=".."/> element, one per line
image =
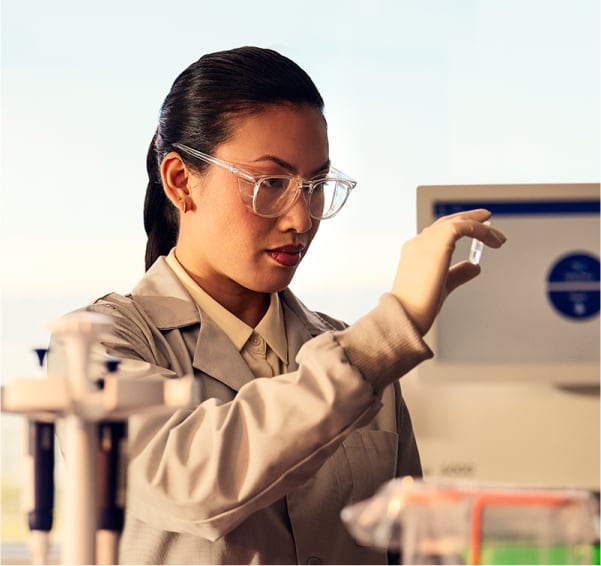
<point x="111" y="490"/>
<point x="39" y="501"/>
<point x="74" y="400"/>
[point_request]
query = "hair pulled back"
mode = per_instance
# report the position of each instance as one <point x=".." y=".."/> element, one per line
<point x="198" y="112"/>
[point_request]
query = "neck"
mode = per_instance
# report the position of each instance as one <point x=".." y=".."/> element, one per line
<point x="250" y="308"/>
<point x="247" y="305"/>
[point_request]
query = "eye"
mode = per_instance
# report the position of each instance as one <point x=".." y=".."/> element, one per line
<point x="275" y="183"/>
<point x="319" y="186"/>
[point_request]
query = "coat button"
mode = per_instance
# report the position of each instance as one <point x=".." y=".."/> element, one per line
<point x="314" y="560"/>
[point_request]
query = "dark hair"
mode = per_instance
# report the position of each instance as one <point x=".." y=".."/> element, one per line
<point x="199" y="111"/>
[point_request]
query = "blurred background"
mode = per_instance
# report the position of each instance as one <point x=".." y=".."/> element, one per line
<point x="417" y="92"/>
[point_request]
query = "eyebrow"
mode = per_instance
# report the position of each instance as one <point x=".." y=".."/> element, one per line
<point x="285" y="165"/>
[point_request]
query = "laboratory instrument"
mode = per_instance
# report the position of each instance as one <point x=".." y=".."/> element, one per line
<point x="93" y="419"/>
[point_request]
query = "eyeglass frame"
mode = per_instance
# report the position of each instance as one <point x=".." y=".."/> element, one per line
<point x="256" y="181"/>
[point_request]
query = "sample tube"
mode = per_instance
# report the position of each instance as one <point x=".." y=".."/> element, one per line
<point x="476" y="249"/>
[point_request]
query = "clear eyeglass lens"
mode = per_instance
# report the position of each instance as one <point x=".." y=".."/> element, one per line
<point x="275" y="194"/>
<point x="328" y="198"/>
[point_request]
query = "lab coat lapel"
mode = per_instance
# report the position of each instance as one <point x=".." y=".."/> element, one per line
<point x="170" y="306"/>
<point x="302" y="325"/>
<point x="216" y="356"/>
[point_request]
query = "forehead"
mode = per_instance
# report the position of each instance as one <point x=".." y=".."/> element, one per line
<point x="295" y="134"/>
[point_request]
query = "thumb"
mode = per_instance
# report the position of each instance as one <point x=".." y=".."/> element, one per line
<point x="461" y="273"/>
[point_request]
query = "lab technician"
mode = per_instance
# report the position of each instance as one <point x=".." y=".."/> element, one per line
<point x="300" y="414"/>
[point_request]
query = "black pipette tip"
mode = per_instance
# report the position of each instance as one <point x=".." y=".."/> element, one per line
<point x="41" y="354"/>
<point x="112" y="364"/>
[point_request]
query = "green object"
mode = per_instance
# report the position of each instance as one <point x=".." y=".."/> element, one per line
<point x="523" y="554"/>
<point x="595" y="554"/>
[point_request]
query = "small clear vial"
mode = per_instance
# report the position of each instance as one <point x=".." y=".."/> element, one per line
<point x="476" y="249"/>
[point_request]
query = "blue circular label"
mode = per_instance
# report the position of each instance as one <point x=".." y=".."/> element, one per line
<point x="573" y="285"/>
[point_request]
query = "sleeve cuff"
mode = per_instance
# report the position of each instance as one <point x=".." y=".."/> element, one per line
<point x="384" y="344"/>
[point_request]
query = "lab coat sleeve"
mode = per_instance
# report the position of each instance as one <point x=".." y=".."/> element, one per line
<point x="383" y="344"/>
<point x="205" y="470"/>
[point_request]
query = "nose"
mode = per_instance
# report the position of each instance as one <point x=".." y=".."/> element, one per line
<point x="297" y="217"/>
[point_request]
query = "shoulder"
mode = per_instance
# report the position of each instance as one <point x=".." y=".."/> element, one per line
<point x="116" y="305"/>
<point x="159" y="301"/>
<point x="129" y="320"/>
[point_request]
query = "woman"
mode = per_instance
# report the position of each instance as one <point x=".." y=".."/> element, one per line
<point x="300" y="415"/>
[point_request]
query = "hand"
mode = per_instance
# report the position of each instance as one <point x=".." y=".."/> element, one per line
<point x="424" y="275"/>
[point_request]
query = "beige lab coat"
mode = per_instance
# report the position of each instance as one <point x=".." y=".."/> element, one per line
<point x="259" y="471"/>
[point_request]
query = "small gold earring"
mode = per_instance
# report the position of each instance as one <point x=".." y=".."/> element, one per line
<point x="185" y="209"/>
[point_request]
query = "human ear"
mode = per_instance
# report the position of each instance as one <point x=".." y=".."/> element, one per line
<point x="175" y="176"/>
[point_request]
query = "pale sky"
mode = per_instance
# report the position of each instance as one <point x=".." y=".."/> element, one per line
<point x="417" y="92"/>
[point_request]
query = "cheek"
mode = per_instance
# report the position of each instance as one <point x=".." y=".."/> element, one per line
<point x="228" y="227"/>
<point x="219" y="209"/>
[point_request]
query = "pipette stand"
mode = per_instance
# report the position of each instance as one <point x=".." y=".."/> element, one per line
<point x="75" y="400"/>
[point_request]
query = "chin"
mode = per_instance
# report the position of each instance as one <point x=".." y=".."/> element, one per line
<point x="273" y="286"/>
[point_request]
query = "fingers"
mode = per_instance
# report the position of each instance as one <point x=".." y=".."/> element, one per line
<point x="479" y="214"/>
<point x="461" y="273"/>
<point x="473" y="224"/>
<point x="488" y="234"/>
<point x="424" y="274"/>
<point x="470" y="223"/>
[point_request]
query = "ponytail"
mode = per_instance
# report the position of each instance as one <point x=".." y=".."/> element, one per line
<point x="160" y="218"/>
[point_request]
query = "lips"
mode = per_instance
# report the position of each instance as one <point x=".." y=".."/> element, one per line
<point x="288" y="256"/>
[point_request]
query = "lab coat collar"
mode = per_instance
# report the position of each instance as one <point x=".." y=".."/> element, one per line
<point x="169" y="306"/>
